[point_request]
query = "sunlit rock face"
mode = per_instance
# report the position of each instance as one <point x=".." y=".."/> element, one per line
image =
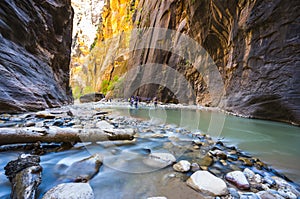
<point x="86" y="22"/>
<point x="35" y="47"/>
<point x="254" y="46"/>
<point x="93" y="66"/>
<point x="87" y="18"/>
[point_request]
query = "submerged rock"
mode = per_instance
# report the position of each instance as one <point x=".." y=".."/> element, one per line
<point x="24" y="175"/>
<point x="84" y="170"/>
<point x="70" y="191"/>
<point x="159" y="160"/>
<point x="207" y="183"/>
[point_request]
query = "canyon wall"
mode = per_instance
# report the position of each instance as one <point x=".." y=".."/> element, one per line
<point x="254" y="44"/>
<point x="247" y="62"/>
<point x="35" y="47"/>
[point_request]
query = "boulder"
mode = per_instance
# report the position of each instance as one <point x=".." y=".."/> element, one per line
<point x="238" y="179"/>
<point x="84" y="170"/>
<point x="91" y="97"/>
<point x="207" y="183"/>
<point x="70" y="191"/>
<point x="104" y="125"/>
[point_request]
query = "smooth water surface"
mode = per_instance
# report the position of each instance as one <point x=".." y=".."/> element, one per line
<point x="275" y="143"/>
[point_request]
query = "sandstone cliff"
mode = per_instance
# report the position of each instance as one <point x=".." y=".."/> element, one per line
<point x="35" y="45"/>
<point x="254" y="45"/>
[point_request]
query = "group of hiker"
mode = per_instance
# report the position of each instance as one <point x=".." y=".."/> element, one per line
<point x="134" y="100"/>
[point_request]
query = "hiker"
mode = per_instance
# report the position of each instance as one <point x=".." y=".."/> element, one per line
<point x="155" y="101"/>
<point x="136" y="100"/>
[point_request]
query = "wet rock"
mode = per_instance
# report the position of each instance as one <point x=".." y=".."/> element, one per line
<point x="219" y="153"/>
<point x="24" y="175"/>
<point x="159" y="160"/>
<point x="286" y="193"/>
<point x="195" y="167"/>
<point x="238" y="179"/>
<point x="249" y="196"/>
<point x="84" y="170"/>
<point x="267" y="195"/>
<point x="269" y="180"/>
<point x="234" y="193"/>
<point x="232" y="157"/>
<point x="249" y="173"/>
<point x="70" y="190"/>
<point x="182" y="166"/>
<point x="29" y="124"/>
<point x="91" y="97"/>
<point x="8" y="124"/>
<point x="58" y="122"/>
<point x="246" y="161"/>
<point x="207" y="183"/>
<point x="257" y="178"/>
<point x="206" y="161"/>
<point x="45" y="115"/>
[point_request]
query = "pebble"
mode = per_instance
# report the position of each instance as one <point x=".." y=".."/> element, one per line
<point x="269" y="180"/>
<point x="206" y="161"/>
<point x="219" y="153"/>
<point x="182" y="166"/>
<point x="29" y="124"/>
<point x="249" y="173"/>
<point x="246" y="161"/>
<point x="238" y="179"/>
<point x="195" y="167"/>
<point x="267" y="195"/>
<point x="207" y="183"/>
<point x="233" y="192"/>
<point x="249" y="196"/>
<point x="70" y="190"/>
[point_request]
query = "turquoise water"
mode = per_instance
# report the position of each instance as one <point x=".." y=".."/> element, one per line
<point x="275" y="143"/>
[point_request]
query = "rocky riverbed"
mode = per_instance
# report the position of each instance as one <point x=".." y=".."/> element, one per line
<point x="131" y="159"/>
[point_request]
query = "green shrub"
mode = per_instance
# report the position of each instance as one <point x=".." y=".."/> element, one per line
<point x="76" y="91"/>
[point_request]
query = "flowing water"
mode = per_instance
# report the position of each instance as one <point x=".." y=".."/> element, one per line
<point x="125" y="175"/>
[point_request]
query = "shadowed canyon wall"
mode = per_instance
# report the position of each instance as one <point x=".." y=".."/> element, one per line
<point x="35" y="47"/>
<point x="255" y="46"/>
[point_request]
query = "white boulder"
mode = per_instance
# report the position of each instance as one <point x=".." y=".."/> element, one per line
<point x="207" y="183"/>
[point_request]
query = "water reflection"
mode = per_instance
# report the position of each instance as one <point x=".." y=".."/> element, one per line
<point x="274" y="142"/>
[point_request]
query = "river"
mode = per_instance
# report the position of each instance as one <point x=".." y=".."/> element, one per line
<point x="275" y="143"/>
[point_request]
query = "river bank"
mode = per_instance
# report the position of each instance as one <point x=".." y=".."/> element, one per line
<point x="150" y="164"/>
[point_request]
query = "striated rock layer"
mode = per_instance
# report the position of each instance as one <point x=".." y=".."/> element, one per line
<point x="250" y="64"/>
<point x="254" y="44"/>
<point x="35" y="45"/>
